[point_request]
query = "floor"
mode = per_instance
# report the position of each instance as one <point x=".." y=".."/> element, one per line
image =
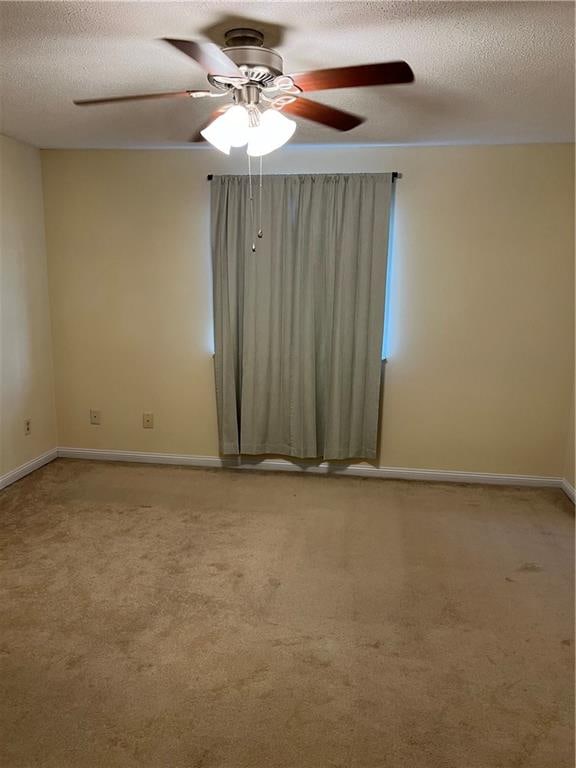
<point x="166" y="617"/>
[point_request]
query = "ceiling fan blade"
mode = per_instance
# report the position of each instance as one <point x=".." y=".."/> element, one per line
<point x="321" y="113"/>
<point x="386" y="73"/>
<point x="197" y="138"/>
<point x="211" y="58"/>
<point x="139" y="97"/>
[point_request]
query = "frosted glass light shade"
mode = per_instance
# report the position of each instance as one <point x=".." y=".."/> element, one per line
<point x="274" y="131"/>
<point x="228" y="130"/>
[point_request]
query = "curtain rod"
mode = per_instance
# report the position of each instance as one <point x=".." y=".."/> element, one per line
<point x="395" y="175"/>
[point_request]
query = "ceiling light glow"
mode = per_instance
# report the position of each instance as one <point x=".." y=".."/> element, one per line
<point x="273" y="132"/>
<point x="228" y="130"/>
<point x="263" y="133"/>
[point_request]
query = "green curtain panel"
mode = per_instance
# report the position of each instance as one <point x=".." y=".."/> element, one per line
<point x="299" y="322"/>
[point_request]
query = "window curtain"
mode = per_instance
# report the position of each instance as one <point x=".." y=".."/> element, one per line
<point x="299" y="322"/>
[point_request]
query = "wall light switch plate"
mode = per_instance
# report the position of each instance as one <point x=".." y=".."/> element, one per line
<point x="95" y="417"/>
<point x="28" y="426"/>
<point x="148" y="420"/>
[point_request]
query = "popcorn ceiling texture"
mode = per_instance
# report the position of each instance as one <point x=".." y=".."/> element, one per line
<point x="485" y="72"/>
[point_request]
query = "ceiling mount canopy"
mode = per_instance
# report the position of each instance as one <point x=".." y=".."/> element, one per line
<point x="243" y="36"/>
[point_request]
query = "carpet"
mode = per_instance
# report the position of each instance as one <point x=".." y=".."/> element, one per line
<point x="167" y="617"/>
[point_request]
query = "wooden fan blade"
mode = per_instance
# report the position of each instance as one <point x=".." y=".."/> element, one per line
<point x="321" y="113"/>
<point x="211" y="58"/>
<point x="139" y="97"/>
<point x="389" y="73"/>
<point x="198" y="136"/>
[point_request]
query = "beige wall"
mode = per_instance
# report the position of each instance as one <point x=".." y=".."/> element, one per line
<point x="570" y="460"/>
<point x="481" y="300"/>
<point x="26" y="376"/>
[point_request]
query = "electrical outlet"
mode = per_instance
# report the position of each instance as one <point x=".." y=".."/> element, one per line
<point x="95" y="417"/>
<point x="148" y="420"/>
<point x="28" y="426"/>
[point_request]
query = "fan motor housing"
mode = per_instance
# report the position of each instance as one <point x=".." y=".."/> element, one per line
<point x="260" y="65"/>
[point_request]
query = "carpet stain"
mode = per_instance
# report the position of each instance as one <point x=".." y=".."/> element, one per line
<point x="530" y="568"/>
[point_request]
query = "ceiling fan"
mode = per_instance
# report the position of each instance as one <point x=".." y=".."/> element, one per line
<point x="253" y="75"/>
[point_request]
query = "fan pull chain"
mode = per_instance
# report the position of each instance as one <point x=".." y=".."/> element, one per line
<point x="260" y="203"/>
<point x="251" y="202"/>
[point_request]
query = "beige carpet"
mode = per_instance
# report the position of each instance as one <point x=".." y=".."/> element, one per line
<point x="166" y="617"/>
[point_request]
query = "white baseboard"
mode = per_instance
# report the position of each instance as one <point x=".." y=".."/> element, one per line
<point x="29" y="466"/>
<point x="283" y="465"/>
<point x="143" y="457"/>
<point x="568" y="489"/>
<point x="324" y="468"/>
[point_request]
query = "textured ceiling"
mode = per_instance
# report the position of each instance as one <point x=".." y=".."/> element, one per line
<point x="485" y="72"/>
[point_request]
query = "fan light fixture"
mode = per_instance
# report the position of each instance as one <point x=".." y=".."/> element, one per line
<point x="240" y="126"/>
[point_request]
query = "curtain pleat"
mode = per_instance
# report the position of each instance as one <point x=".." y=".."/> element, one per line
<point x="298" y="324"/>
